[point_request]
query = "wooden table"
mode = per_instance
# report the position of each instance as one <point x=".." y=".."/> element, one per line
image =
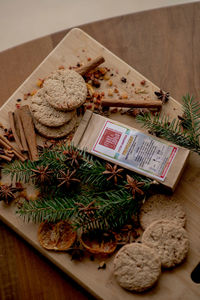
<point x="164" y="46"/>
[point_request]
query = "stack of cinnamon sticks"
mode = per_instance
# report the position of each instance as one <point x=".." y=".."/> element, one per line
<point x="24" y="134"/>
<point x="8" y="150"/>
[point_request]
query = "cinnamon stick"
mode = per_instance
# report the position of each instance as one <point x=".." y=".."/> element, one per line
<point x="29" y="131"/>
<point x="9" y="153"/>
<point x="5" y="145"/>
<point x="91" y="65"/>
<point x="13" y="128"/>
<point x="131" y="103"/>
<point x="4" y="142"/>
<point x="20" y="129"/>
<point x="5" y="157"/>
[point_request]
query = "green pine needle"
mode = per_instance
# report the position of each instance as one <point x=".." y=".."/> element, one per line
<point x="183" y="133"/>
<point x="112" y="209"/>
<point x="112" y="205"/>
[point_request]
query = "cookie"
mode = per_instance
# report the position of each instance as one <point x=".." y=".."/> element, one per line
<point x="159" y="207"/>
<point x="44" y="113"/>
<point x="136" y="267"/>
<point x="169" y="240"/>
<point x="65" y="90"/>
<point x="56" y="236"/>
<point x="55" y="132"/>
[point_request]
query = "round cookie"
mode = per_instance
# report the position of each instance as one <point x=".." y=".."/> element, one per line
<point x="169" y="240"/>
<point x="136" y="267"/>
<point x="44" y="113"/>
<point x="65" y="90"/>
<point x="159" y="207"/>
<point x="55" y="132"/>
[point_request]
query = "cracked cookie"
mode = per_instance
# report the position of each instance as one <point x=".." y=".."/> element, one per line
<point x="65" y="90"/>
<point x="159" y="207"/>
<point x="136" y="267"/>
<point x="44" y="113"/>
<point x="169" y="240"/>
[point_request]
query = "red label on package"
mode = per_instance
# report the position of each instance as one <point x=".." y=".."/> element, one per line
<point x="110" y="138"/>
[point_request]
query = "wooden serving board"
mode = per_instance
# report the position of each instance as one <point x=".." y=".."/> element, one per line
<point x="173" y="284"/>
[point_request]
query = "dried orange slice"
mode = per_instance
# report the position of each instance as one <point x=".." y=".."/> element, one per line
<point x="99" y="243"/>
<point x="56" y="236"/>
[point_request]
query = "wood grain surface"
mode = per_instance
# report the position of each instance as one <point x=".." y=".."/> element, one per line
<point x="164" y="46"/>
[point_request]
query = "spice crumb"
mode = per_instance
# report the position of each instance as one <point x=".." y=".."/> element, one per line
<point x="110" y="83"/>
<point x="102" y="265"/>
<point x="123" y="79"/>
<point x="110" y="93"/>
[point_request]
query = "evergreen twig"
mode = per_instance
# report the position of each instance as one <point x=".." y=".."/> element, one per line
<point x="112" y="209"/>
<point x="185" y="134"/>
<point x="95" y="203"/>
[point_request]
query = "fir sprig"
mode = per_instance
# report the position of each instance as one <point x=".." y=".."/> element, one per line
<point x="112" y="209"/>
<point x="20" y="171"/>
<point x="185" y="135"/>
<point x="95" y="202"/>
<point x="91" y="171"/>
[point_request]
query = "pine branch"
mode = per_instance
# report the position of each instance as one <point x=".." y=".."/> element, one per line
<point x="191" y="114"/>
<point x="20" y="171"/>
<point x="173" y="131"/>
<point x="111" y="209"/>
<point x="46" y="210"/>
<point x="96" y="203"/>
<point x="91" y="171"/>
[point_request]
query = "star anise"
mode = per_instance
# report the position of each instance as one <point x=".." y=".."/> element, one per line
<point x="73" y="155"/>
<point x="164" y="97"/>
<point x="46" y="146"/>
<point x="41" y="174"/>
<point x="67" y="178"/>
<point x="113" y="172"/>
<point x="134" y="186"/>
<point x="7" y="193"/>
<point x="88" y="210"/>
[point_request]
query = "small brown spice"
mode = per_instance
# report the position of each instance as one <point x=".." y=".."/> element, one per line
<point x="114" y="110"/>
<point x="7" y="193"/>
<point x="88" y="210"/>
<point x="67" y="178"/>
<point x="113" y="172"/>
<point x="73" y="156"/>
<point x="8" y="134"/>
<point x="134" y="186"/>
<point x="41" y="174"/>
<point x="164" y="97"/>
<point x="123" y="79"/>
<point x="61" y="67"/>
<point x="40" y="83"/>
<point x="102" y="265"/>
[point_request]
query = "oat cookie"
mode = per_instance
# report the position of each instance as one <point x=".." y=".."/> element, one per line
<point x="169" y="240"/>
<point x="159" y="207"/>
<point x="136" y="267"/>
<point x="55" y="132"/>
<point x="44" y="113"/>
<point x="65" y="90"/>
